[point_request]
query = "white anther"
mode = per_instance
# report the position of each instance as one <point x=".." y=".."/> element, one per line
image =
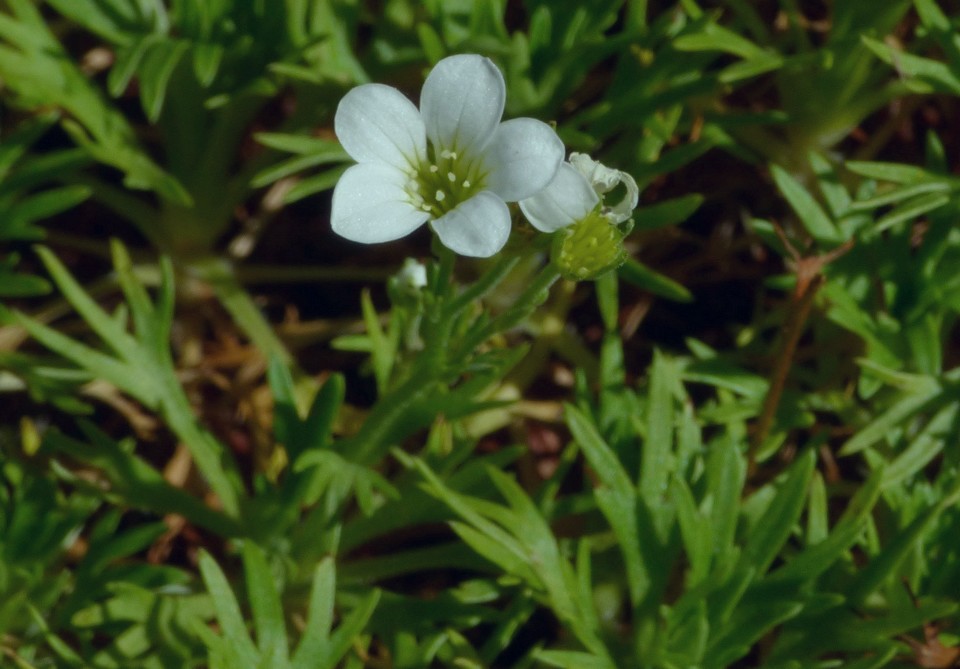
<point x="440" y="196"/>
<point x="451" y="176"/>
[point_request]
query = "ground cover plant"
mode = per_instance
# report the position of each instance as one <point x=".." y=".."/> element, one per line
<point x="534" y="333"/>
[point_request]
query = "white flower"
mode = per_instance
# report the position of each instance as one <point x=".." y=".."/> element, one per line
<point x="575" y="191"/>
<point x="589" y="242"/>
<point x="452" y="162"/>
<point x="413" y="275"/>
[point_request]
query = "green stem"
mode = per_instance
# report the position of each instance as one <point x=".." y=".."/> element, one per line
<point x="383" y="427"/>
<point x="529" y="299"/>
<point x="483" y="285"/>
<point x="380" y="428"/>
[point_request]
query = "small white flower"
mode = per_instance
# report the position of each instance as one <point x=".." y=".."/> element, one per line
<point x="589" y="239"/>
<point x="575" y="191"/>
<point x="413" y="275"/>
<point x="452" y="162"/>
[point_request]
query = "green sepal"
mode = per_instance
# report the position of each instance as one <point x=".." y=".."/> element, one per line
<point x="589" y="248"/>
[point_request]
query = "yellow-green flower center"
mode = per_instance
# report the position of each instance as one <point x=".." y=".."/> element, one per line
<point x="445" y="180"/>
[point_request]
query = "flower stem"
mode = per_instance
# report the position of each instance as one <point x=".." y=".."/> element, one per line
<point x="533" y="296"/>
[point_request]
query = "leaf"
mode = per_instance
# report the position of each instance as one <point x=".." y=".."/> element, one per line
<point x="346" y="635"/>
<point x="807" y="209"/>
<point x="714" y="37"/>
<point x="658" y="284"/>
<point x="231" y="621"/>
<point x="316" y="633"/>
<point x="668" y="212"/>
<point x="883" y="566"/>
<point x="265" y="606"/>
<point x="655" y="463"/>
<point x="819" y="557"/>
<point x="776" y="524"/>
<point x="894" y="172"/>
<point x="939" y="75"/>
<point x="881" y="426"/>
<point x="912" y="209"/>
<point x="159" y="63"/>
<point x="617" y="499"/>
<point x="314" y="184"/>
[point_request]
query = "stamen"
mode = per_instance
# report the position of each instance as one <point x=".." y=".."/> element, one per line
<point x="440" y="196"/>
<point x="466" y="183"/>
<point x="434" y="169"/>
<point x="451" y="176"/>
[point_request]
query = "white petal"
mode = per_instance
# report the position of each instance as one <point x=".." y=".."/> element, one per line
<point x="370" y="205"/>
<point x="478" y="227"/>
<point x="603" y="178"/>
<point x="622" y="210"/>
<point x="462" y="102"/>
<point x="522" y="158"/>
<point x="377" y="123"/>
<point x="566" y="200"/>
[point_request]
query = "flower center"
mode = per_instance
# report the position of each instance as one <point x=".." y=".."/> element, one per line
<point x="445" y="180"/>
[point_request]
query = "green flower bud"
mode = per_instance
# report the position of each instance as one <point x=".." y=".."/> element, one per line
<point x="589" y="248"/>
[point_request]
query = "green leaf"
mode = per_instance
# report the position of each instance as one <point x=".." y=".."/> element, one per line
<point x="883" y="567"/>
<point x="159" y="63"/>
<point x="316" y="632"/>
<point x="881" y="426"/>
<point x="668" y="212"/>
<point x="266" y="607"/>
<point x="655" y="458"/>
<point x="569" y="659"/>
<point x="807" y="209"/>
<point x="819" y="557"/>
<point x="894" y="172"/>
<point x="230" y="618"/>
<point x="938" y="75"/>
<point x="347" y="633"/>
<point x="912" y="209"/>
<point x="643" y="277"/>
<point x="714" y="37"/>
<point x="777" y="523"/>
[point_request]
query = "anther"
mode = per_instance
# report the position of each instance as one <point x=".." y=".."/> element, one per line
<point x="440" y="196"/>
<point x="466" y="183"/>
<point x="434" y="169"/>
<point x="451" y="176"/>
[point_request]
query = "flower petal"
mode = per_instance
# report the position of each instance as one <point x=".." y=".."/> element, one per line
<point x="478" y="227"/>
<point x="462" y="102"/>
<point x="377" y="123"/>
<point x="522" y="158"/>
<point x="622" y="210"/>
<point x="566" y="200"/>
<point x="371" y="205"/>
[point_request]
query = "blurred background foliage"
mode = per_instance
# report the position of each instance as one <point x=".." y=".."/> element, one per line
<point x="229" y="439"/>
